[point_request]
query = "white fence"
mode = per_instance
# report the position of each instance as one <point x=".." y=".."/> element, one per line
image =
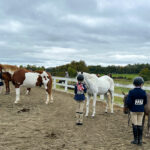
<point x="64" y="83"/>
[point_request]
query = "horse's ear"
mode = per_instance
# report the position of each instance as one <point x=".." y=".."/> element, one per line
<point x="123" y="93"/>
<point x="81" y="72"/>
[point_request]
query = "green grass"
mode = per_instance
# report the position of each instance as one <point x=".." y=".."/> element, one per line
<point x="123" y="81"/>
<point x="119" y="90"/>
<point x="126" y="76"/>
<point x="118" y="100"/>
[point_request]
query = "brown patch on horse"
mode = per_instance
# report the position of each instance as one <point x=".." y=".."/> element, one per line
<point x="19" y="76"/>
<point x="39" y="81"/>
<point x="49" y="84"/>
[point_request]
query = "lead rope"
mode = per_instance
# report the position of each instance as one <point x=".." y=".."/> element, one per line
<point x="129" y="118"/>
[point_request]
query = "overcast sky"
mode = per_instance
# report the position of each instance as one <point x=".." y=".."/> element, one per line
<point x="55" y="32"/>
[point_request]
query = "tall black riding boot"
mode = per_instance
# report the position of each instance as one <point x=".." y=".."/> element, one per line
<point x="135" y="134"/>
<point x="140" y="134"/>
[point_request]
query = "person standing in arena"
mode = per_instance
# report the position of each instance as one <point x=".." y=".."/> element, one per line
<point x="136" y="100"/>
<point x="80" y="90"/>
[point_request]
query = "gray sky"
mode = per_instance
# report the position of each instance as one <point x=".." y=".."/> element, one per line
<point x="55" y="32"/>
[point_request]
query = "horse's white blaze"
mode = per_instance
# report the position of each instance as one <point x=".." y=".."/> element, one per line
<point x="30" y="79"/>
<point x="45" y="79"/>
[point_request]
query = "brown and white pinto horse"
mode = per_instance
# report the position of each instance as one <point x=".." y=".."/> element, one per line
<point x="7" y="72"/>
<point x="23" y="77"/>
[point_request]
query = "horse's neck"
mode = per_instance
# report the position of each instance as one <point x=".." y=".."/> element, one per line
<point x="89" y="83"/>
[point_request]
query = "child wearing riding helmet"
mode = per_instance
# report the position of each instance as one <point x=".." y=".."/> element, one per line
<point x="136" y="100"/>
<point x="80" y="90"/>
<point x="1" y="82"/>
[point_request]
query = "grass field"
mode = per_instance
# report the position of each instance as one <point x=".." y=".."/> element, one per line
<point x="125" y="76"/>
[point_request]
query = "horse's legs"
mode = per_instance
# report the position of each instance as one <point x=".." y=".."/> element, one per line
<point x="51" y="99"/>
<point x="48" y="96"/>
<point x="106" y="98"/>
<point x="7" y="86"/>
<point x="1" y="87"/>
<point x="17" y="95"/>
<point x="148" y="126"/>
<point x="28" y="91"/>
<point x="87" y="105"/>
<point x="94" y="103"/>
<point x="48" y="88"/>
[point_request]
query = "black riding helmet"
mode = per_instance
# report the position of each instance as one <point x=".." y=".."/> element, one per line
<point x="138" y="81"/>
<point x="80" y="77"/>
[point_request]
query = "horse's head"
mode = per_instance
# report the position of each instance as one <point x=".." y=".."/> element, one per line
<point x="125" y="107"/>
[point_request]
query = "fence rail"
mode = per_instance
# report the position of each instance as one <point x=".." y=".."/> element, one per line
<point x="66" y="85"/>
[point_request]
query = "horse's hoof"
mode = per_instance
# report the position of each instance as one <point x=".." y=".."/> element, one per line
<point x="46" y="102"/>
<point x="7" y="93"/>
<point x="86" y="115"/>
<point x="106" y="112"/>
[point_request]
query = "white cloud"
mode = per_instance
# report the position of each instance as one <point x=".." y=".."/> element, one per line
<point x="57" y="32"/>
<point x="11" y="26"/>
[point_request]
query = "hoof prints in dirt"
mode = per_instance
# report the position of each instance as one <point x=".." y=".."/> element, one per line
<point x="23" y="110"/>
<point x="51" y="135"/>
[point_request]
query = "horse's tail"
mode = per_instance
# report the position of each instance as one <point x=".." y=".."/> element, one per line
<point x="110" y="95"/>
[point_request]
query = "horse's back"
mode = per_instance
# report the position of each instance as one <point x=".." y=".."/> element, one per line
<point x="23" y="76"/>
<point x="107" y="79"/>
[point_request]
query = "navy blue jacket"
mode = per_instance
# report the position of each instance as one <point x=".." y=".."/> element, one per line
<point x="136" y="100"/>
<point x="79" y="95"/>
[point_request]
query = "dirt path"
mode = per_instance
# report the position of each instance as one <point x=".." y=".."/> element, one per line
<point x="33" y="125"/>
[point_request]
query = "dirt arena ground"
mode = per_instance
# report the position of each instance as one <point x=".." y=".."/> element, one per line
<point x="33" y="125"/>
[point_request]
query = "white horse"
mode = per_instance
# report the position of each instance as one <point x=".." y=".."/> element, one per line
<point x="98" y="86"/>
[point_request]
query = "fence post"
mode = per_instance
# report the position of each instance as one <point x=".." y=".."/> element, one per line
<point x="102" y="97"/>
<point x="66" y="85"/>
<point x="54" y="83"/>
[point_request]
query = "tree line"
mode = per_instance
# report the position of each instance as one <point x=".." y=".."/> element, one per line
<point x="76" y="66"/>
